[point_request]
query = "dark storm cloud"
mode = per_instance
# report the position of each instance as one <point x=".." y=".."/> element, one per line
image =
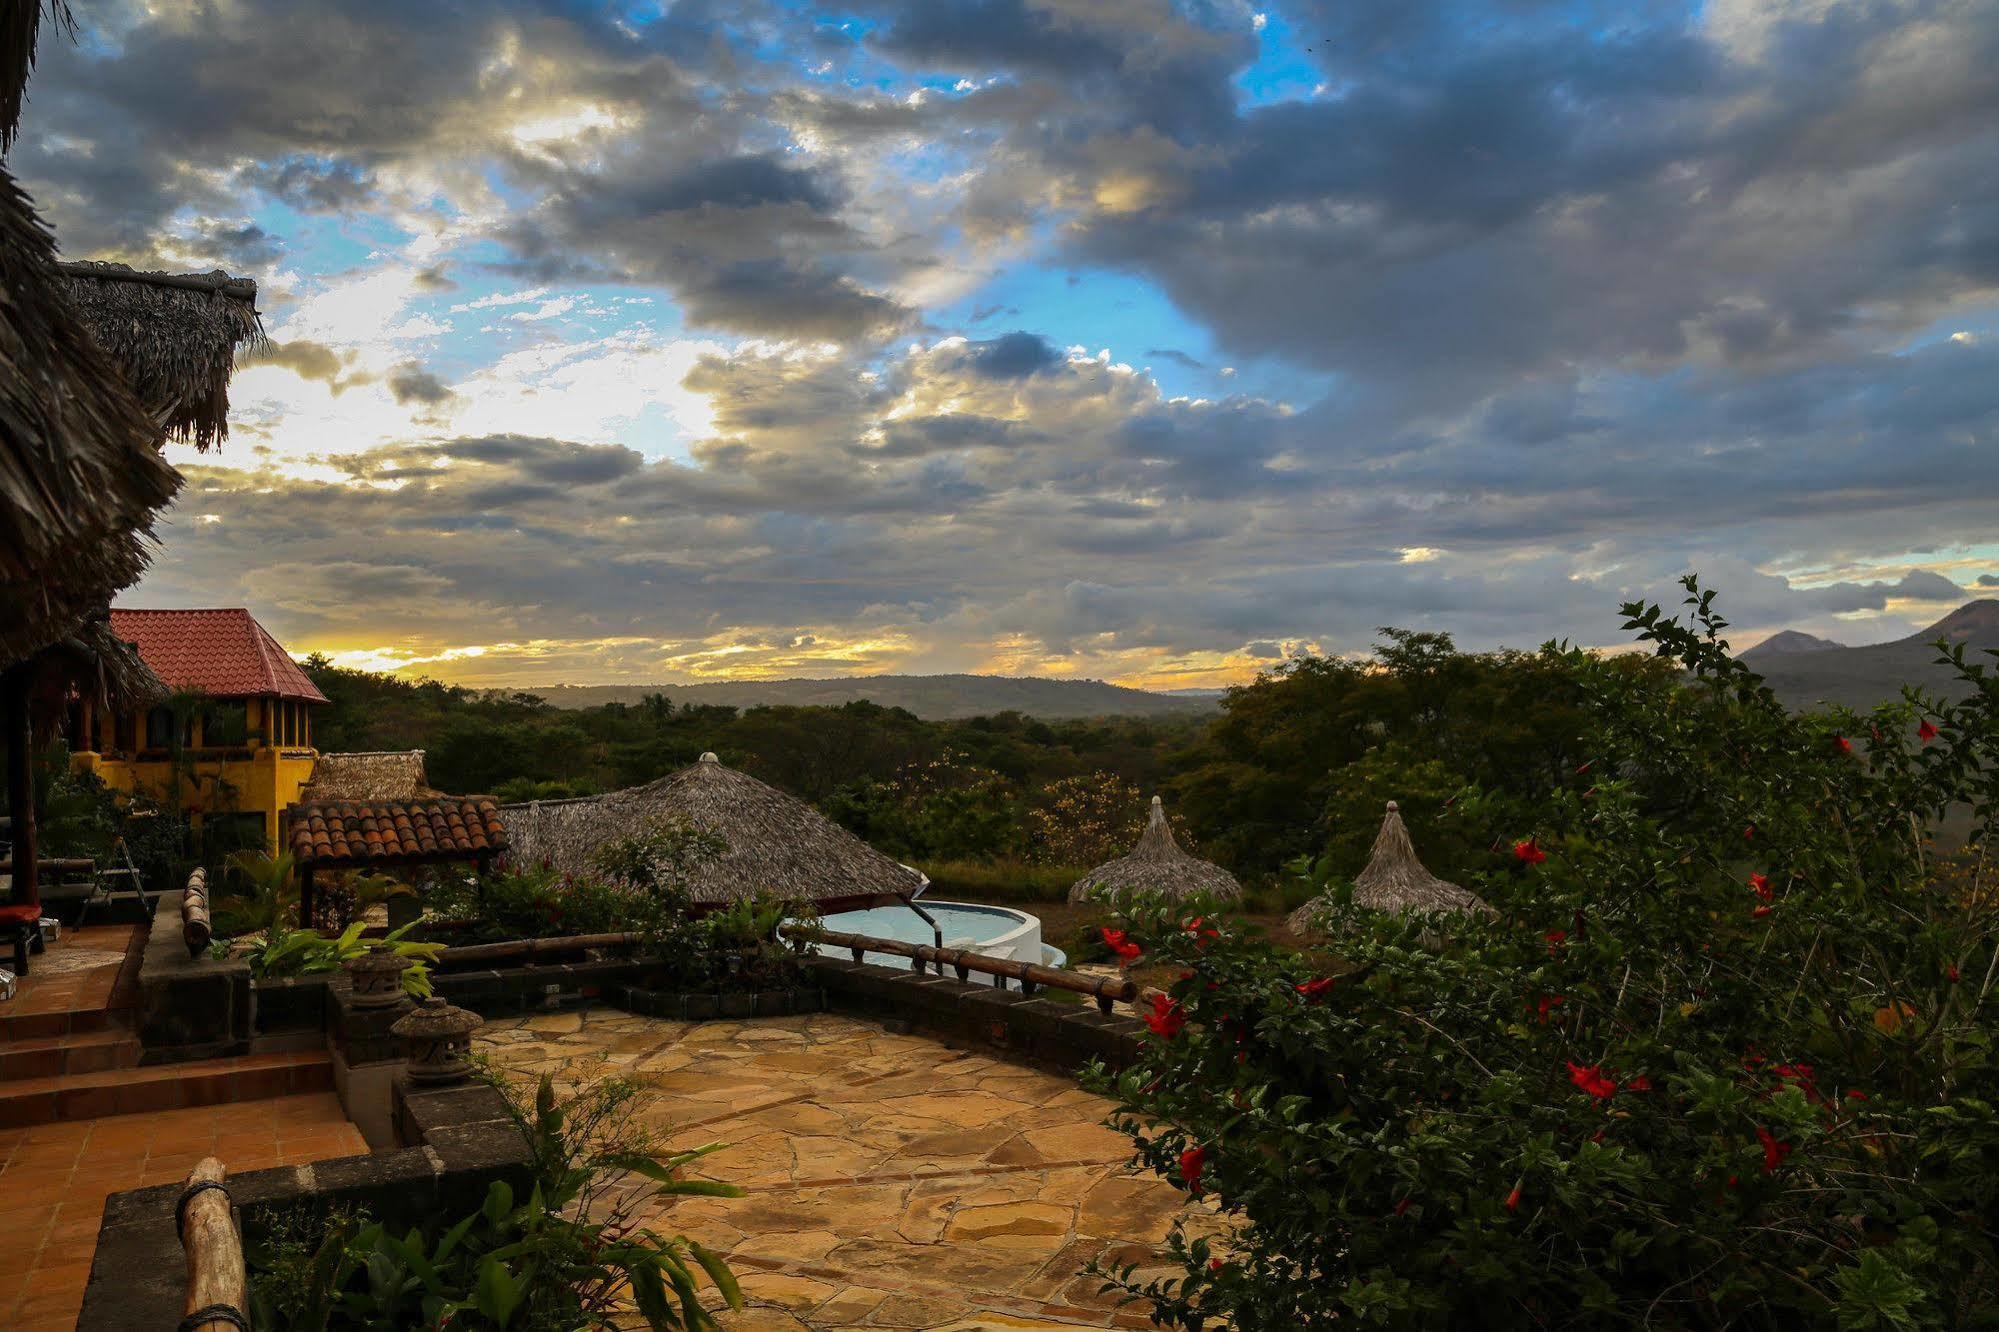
<point x="413" y="383"/>
<point x="1012" y="356"/>
<point x="313" y="184"/>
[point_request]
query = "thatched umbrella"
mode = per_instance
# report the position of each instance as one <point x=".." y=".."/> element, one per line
<point x="1156" y="865"/>
<point x="175" y="335"/>
<point x="776" y="844"/>
<point x="1395" y="880"/>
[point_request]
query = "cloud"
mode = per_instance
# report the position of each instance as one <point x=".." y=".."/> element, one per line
<point x="413" y="384"/>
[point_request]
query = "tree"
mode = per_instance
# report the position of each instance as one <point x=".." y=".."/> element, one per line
<point x="1721" y="1059"/>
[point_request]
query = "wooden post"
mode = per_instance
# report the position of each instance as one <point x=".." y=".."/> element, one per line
<point x="215" y="1275"/>
<point x="195" y="929"/>
<point x="20" y="735"/>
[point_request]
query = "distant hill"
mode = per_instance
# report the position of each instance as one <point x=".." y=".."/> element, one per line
<point x="1789" y="640"/>
<point x="1860" y="677"/>
<point x="932" y="697"/>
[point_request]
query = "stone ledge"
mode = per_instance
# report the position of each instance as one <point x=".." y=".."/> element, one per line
<point x="189" y="1007"/>
<point x="463" y="1140"/>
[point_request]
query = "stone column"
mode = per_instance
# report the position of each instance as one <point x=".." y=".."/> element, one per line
<point x="367" y="1055"/>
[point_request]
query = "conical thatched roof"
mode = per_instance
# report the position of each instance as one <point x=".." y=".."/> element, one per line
<point x="80" y="477"/>
<point x="1395" y="880"/>
<point x="1156" y="865"/>
<point x="175" y="336"/>
<point x="776" y="844"/>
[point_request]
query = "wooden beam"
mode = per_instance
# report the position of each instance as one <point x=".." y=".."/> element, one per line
<point x="241" y="289"/>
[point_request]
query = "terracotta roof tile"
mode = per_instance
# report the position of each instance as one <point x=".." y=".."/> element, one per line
<point x="361" y="831"/>
<point x="222" y="653"/>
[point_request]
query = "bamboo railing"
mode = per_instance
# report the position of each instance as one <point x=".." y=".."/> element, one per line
<point x="1106" y="990"/>
<point x="216" y="1282"/>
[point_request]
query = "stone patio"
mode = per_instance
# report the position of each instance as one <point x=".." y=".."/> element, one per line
<point x="893" y="1182"/>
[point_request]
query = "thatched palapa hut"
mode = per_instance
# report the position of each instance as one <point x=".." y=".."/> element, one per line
<point x="1395" y="880"/>
<point x="776" y="844"/>
<point x="1156" y="865"/>
<point x="365" y="775"/>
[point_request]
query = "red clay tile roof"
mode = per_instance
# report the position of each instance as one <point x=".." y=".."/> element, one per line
<point x="360" y="831"/>
<point x="222" y="653"/>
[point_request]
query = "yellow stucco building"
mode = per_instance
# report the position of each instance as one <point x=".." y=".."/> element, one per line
<point x="238" y="740"/>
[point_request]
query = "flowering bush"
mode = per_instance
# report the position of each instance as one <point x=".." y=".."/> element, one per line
<point x="1720" y="1059"/>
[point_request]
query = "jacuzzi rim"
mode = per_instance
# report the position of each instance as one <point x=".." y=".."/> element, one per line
<point x="1024" y="921"/>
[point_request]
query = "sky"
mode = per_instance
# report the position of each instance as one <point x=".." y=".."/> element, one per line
<point x="1148" y="340"/>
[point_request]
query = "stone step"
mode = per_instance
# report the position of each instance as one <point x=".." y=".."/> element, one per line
<point x="156" y="1087"/>
<point x="77" y="1052"/>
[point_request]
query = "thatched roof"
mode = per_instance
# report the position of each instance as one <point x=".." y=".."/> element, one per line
<point x="1156" y="865"/>
<point x="80" y="477"/>
<point x="395" y="775"/>
<point x="175" y="335"/>
<point x="20" y="30"/>
<point x="1395" y="880"/>
<point x="776" y="844"/>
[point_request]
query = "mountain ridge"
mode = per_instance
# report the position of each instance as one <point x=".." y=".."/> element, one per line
<point x="1860" y="677"/>
<point x="949" y="697"/>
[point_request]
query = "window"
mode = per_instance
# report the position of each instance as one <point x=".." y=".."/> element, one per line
<point x="160" y="728"/>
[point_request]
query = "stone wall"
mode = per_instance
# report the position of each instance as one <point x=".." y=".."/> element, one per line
<point x="455" y="1142"/>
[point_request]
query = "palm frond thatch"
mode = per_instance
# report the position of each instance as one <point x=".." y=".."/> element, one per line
<point x="175" y="335"/>
<point x="20" y="32"/>
<point x="776" y="844"/>
<point x="391" y="775"/>
<point x="80" y="477"/>
<point x="1395" y="880"/>
<point x="1156" y="865"/>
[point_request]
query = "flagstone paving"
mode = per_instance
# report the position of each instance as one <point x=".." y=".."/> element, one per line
<point x="892" y="1181"/>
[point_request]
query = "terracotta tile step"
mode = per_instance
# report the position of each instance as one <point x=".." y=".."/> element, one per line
<point x="79" y="1052"/>
<point x="137" y="1091"/>
<point x="27" y="1026"/>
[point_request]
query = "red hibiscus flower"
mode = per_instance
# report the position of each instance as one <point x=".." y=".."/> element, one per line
<point x="1759" y="912"/>
<point x="1547" y="1001"/>
<point x="1528" y="851"/>
<point x="1202" y="936"/>
<point x="1314" y="989"/>
<point x="1760" y="885"/>
<point x="1166" y="1018"/>
<point x="1926" y="732"/>
<point x="1749" y="833"/>
<point x="1120" y="943"/>
<point x="1513" y="1200"/>
<point x="1191" y="1162"/>
<point x="1856" y="1095"/>
<point x="1774" y="1151"/>
<point x="1845" y="745"/>
<point x="1639" y="1083"/>
<point x="1592" y="1079"/>
<point x="1951" y="972"/>
<point x="1214" y="1264"/>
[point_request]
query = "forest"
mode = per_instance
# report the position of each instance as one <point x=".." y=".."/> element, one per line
<point x="1296" y="764"/>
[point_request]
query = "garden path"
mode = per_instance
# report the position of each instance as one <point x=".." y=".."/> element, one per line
<point x="892" y="1181"/>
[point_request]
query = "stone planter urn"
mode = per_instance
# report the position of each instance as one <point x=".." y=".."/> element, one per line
<point x="439" y="1036"/>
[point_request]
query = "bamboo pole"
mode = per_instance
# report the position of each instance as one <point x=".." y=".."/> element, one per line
<point x="472" y="954"/>
<point x="195" y="928"/>
<point x="215" y="1275"/>
<point x="242" y="289"/>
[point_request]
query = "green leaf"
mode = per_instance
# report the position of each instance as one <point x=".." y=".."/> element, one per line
<point x="496" y="1293"/>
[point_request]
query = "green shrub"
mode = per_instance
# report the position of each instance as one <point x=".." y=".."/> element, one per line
<point x="1721" y="1058"/>
<point x="571" y="1255"/>
<point x="1003" y="880"/>
<point x="308" y="953"/>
